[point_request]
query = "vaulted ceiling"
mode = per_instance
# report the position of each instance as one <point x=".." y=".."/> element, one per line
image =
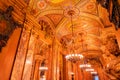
<point x="88" y="21"/>
<point x="94" y="33"/>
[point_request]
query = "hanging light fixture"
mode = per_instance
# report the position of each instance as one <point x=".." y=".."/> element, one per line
<point x="90" y="70"/>
<point x="85" y="65"/>
<point x="73" y="56"/>
<point x="93" y="72"/>
<point x="43" y="67"/>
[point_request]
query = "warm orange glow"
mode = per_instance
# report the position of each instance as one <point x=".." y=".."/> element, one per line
<point x="56" y="1"/>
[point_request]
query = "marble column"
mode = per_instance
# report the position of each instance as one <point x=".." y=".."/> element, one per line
<point x="21" y="55"/>
<point x="77" y="71"/>
<point x="80" y="73"/>
<point x="49" y="73"/>
<point x="36" y="71"/>
<point x="58" y="62"/>
<point x="54" y="67"/>
<point x="65" y="69"/>
<point x="69" y="70"/>
<point x="29" y="58"/>
<point x="60" y="66"/>
<point x="54" y="60"/>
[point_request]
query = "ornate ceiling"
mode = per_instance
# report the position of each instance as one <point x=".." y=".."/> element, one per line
<point x="89" y="21"/>
<point x="94" y="29"/>
<point x="55" y="22"/>
<point x="94" y="34"/>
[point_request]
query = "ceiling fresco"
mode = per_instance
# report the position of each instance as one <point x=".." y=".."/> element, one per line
<point x="92" y="21"/>
<point x="91" y="25"/>
<point x="54" y="13"/>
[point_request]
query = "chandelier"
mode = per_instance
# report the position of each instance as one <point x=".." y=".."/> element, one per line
<point x="90" y="70"/>
<point x="43" y="67"/>
<point x="93" y="72"/>
<point x="73" y="56"/>
<point x="85" y="66"/>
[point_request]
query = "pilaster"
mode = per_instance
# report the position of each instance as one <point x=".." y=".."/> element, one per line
<point x="21" y="55"/>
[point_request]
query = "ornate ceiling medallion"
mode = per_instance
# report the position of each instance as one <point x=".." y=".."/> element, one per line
<point x="71" y="11"/>
<point x="41" y="4"/>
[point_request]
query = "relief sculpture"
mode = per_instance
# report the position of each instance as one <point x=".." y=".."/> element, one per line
<point x="7" y="25"/>
<point x="113" y="64"/>
<point x="113" y="8"/>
